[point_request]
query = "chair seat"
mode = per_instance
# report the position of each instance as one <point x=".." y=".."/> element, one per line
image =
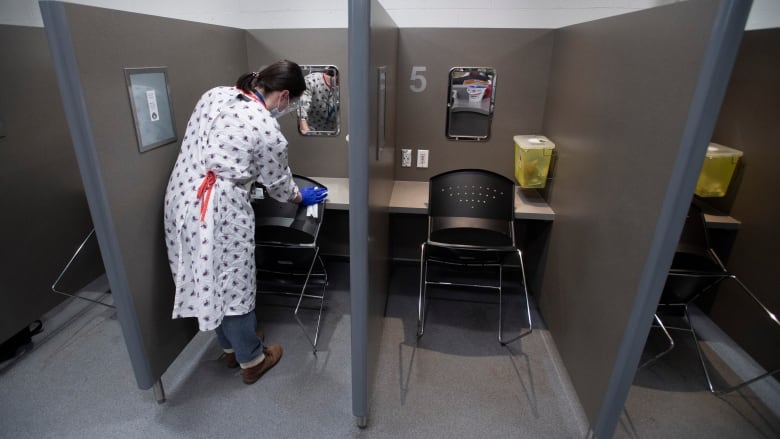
<point x="469" y="231"/>
<point x="690" y="275"/>
<point x="465" y="237"/>
<point x="465" y="255"/>
<point x="694" y="262"/>
<point x="284" y="235"/>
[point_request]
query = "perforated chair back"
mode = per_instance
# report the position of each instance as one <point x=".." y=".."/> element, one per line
<point x="287" y="223"/>
<point x="471" y="208"/>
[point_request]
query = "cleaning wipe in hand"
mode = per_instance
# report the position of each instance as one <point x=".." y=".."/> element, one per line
<point x="312" y="211"/>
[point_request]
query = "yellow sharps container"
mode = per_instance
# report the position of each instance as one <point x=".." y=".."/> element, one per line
<point x="532" y="160"/>
<point x="717" y="170"/>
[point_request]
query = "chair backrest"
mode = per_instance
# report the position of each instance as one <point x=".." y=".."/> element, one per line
<point x="471" y="207"/>
<point x="693" y="265"/>
<point x="287" y="223"/>
<point x="693" y="239"/>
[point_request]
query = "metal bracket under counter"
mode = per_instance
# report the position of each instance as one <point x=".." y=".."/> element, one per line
<point x="412" y="197"/>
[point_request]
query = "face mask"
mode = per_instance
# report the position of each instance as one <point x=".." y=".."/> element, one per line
<point x="276" y="114"/>
<point x="289" y="108"/>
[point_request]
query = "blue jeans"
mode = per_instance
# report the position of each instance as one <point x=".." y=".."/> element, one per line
<point x="238" y="333"/>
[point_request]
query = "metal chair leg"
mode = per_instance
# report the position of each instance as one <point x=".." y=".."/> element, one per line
<point x="422" y="298"/>
<point x="771" y="317"/>
<point x="668" y="338"/>
<point x="423" y="287"/>
<point x="698" y="350"/>
<point x="55" y="285"/>
<point x="313" y="341"/>
<point x="711" y="387"/>
<point x="500" y="304"/>
<point x="527" y="306"/>
<point x="525" y="291"/>
<point x="747" y="291"/>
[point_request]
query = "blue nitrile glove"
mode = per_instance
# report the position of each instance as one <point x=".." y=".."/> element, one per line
<point x="313" y="195"/>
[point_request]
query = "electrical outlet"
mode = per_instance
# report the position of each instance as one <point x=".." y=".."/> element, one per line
<point x="406" y="158"/>
<point x="422" y="158"/>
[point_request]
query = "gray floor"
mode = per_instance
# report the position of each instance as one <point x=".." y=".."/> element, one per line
<point x="671" y="396"/>
<point x="75" y="381"/>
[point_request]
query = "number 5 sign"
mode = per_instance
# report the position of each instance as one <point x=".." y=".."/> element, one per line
<point x="417" y="76"/>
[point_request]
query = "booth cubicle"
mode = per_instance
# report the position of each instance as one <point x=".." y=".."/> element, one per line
<point x="635" y="143"/>
<point x="753" y="252"/>
<point x="630" y="133"/>
<point x="40" y="166"/>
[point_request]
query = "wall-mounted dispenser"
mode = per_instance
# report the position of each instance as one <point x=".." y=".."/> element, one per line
<point x="532" y="160"/>
<point x="717" y="170"/>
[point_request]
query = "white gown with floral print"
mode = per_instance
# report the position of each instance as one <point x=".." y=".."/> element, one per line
<point x="212" y="252"/>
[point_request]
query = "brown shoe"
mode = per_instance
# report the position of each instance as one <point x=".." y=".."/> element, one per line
<point x="273" y="354"/>
<point x="230" y="357"/>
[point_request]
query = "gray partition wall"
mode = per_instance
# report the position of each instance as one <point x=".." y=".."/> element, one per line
<point x="312" y="156"/>
<point x="748" y="122"/>
<point x="45" y="215"/>
<point x="125" y="188"/>
<point x="632" y="104"/>
<point x="381" y="160"/>
<point x="372" y="45"/>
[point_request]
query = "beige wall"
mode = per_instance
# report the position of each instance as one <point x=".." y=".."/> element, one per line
<point x="521" y="58"/>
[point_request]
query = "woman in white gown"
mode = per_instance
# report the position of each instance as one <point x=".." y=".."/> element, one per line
<point x="232" y="139"/>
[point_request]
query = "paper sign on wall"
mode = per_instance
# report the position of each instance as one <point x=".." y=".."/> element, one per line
<point x="151" y="105"/>
<point x="151" y="99"/>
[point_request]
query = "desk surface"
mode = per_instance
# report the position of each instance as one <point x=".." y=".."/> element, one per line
<point x="721" y="221"/>
<point x="412" y="197"/>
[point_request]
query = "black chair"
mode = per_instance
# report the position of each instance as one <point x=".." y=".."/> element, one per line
<point x="287" y="253"/>
<point x="696" y="270"/>
<point x="470" y="223"/>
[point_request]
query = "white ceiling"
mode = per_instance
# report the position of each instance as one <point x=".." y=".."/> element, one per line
<point x="254" y="14"/>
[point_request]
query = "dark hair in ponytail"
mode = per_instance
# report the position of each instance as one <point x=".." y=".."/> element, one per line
<point x="281" y="75"/>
